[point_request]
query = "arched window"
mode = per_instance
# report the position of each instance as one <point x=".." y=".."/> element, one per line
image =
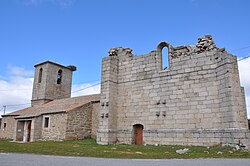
<point x="163" y="50"/>
<point x="40" y="75"/>
<point x="59" y="77"/>
<point x="165" y="63"/>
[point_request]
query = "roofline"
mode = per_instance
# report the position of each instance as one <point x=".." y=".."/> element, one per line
<point x="57" y="112"/>
<point x="94" y="100"/>
<point x="67" y="67"/>
<point x="8" y="115"/>
<point x="11" y="114"/>
<point x="34" y="116"/>
<point x="27" y="116"/>
<point x="24" y="118"/>
<point x="79" y="97"/>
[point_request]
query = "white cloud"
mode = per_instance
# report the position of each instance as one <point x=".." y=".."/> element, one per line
<point x="86" y="89"/>
<point x="244" y="70"/>
<point x="62" y="3"/>
<point x="19" y="71"/>
<point x="16" y="88"/>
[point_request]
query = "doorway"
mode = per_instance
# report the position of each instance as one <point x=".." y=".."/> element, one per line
<point x="23" y="130"/>
<point x="138" y="134"/>
<point x="20" y="130"/>
<point x="28" y="131"/>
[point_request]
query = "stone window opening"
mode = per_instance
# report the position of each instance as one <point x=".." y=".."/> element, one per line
<point x="46" y="122"/>
<point x="163" y="51"/>
<point x="4" y="125"/>
<point x="59" y="77"/>
<point x="40" y="75"/>
<point x="165" y="64"/>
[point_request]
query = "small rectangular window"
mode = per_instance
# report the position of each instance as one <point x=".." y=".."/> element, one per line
<point x="46" y="122"/>
<point x="4" y="125"/>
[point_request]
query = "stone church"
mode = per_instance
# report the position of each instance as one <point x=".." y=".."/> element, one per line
<point x="53" y="115"/>
<point x="196" y="100"/>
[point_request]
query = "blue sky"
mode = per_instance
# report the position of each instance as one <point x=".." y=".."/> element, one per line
<point x="80" y="33"/>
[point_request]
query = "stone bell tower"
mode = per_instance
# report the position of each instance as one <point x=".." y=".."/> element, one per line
<point x="51" y="81"/>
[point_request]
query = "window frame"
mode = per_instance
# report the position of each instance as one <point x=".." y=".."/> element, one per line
<point x="40" y="75"/>
<point x="59" y="77"/>
<point x="46" y="122"/>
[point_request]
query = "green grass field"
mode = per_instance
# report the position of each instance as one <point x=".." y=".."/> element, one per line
<point x="88" y="148"/>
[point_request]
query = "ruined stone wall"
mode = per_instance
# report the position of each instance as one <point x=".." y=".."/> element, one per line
<point x="199" y="93"/>
<point x="57" y="127"/>
<point x="10" y="129"/>
<point x="232" y="106"/>
<point x="79" y="122"/>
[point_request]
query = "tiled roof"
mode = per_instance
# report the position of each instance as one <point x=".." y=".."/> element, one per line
<point x="55" y="106"/>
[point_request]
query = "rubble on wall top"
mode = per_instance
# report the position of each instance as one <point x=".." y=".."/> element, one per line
<point x="115" y="51"/>
<point x="112" y="52"/>
<point x="205" y="43"/>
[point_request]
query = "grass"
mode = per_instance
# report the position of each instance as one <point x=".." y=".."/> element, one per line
<point x="88" y="148"/>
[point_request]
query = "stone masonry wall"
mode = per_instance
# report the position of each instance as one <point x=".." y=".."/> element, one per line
<point x="95" y="119"/>
<point x="36" y="128"/>
<point x="197" y="100"/>
<point x="79" y="122"/>
<point x="57" y="127"/>
<point x="48" y="89"/>
<point x="9" y="131"/>
<point x="108" y="112"/>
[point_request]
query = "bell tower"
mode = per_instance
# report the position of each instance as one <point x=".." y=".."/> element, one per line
<point x="51" y="81"/>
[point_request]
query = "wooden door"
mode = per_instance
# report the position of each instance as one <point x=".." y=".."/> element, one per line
<point x="20" y="131"/>
<point x="138" y="134"/>
<point x="29" y="131"/>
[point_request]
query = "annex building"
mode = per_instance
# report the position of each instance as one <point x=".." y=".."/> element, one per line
<point x="197" y="100"/>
